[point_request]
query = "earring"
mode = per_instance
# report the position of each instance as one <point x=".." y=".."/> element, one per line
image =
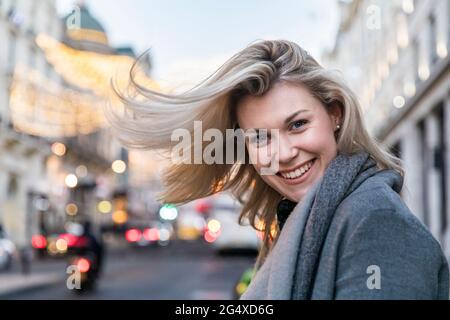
<point x="338" y="127"/>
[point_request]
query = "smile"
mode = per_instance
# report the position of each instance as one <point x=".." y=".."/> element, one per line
<point x="298" y="175"/>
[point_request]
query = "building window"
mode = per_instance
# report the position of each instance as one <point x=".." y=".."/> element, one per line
<point x="432" y="38"/>
<point x="32" y="57"/>
<point x="396" y="150"/>
<point x="424" y="167"/>
<point x="415" y="60"/>
<point x="12" y="186"/>
<point x="442" y="165"/>
<point x="12" y="48"/>
<point x="448" y="24"/>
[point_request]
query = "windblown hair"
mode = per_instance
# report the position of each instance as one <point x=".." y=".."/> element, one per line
<point x="152" y="116"/>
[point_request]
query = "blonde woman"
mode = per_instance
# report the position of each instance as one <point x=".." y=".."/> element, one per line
<point x="334" y="224"/>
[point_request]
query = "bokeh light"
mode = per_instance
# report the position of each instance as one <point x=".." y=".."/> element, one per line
<point x="58" y="149"/>
<point x="71" y="180"/>
<point x="120" y="216"/>
<point x="72" y="209"/>
<point x="119" y="166"/>
<point x="104" y="206"/>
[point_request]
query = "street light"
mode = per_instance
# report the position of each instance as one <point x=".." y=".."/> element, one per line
<point x="59" y="149"/>
<point x="119" y="166"/>
<point x="72" y="209"/>
<point x="71" y="180"/>
<point x="104" y="206"/>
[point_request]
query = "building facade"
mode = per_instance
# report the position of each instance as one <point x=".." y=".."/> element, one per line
<point x="48" y="136"/>
<point x="22" y="156"/>
<point x="395" y="56"/>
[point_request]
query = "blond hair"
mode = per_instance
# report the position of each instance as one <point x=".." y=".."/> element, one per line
<point x="253" y="71"/>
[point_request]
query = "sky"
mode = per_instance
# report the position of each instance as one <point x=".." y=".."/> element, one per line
<point x="189" y="39"/>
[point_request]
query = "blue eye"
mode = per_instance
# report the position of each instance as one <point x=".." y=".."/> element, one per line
<point x="298" y="124"/>
<point x="260" y="140"/>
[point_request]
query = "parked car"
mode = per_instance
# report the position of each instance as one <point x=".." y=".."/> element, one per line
<point x="190" y="225"/>
<point x="225" y="233"/>
<point x="49" y="245"/>
<point x="7" y="250"/>
<point x="152" y="234"/>
<point x="54" y="245"/>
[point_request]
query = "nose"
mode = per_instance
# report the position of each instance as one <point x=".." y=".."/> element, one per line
<point x="286" y="150"/>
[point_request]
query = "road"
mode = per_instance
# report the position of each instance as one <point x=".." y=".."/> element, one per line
<point x="180" y="271"/>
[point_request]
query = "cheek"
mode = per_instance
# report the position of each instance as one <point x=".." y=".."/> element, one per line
<point x="316" y="141"/>
<point x="259" y="157"/>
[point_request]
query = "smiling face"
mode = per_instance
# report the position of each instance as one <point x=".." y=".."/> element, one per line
<point x="305" y="133"/>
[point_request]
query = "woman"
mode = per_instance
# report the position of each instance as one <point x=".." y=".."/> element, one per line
<point x="334" y="224"/>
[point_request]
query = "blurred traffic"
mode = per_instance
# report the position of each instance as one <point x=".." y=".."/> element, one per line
<point x="79" y="212"/>
<point x="75" y="200"/>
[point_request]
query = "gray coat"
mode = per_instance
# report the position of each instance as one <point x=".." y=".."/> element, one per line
<point x="375" y="248"/>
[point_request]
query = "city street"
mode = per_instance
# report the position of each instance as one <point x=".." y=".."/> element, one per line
<point x="180" y="271"/>
<point x="141" y="139"/>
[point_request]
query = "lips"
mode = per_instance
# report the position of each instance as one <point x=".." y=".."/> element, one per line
<point x="295" y="168"/>
<point x="300" y="179"/>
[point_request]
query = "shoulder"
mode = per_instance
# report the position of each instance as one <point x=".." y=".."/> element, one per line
<point x="375" y="212"/>
<point x="374" y="227"/>
<point x="375" y="216"/>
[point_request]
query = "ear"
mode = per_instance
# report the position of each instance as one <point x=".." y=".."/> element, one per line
<point x="336" y="113"/>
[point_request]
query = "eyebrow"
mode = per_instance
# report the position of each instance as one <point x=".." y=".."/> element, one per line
<point x="287" y="120"/>
<point x="292" y="116"/>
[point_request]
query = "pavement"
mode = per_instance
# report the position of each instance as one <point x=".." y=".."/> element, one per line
<point x="43" y="273"/>
<point x="13" y="284"/>
<point x="136" y="273"/>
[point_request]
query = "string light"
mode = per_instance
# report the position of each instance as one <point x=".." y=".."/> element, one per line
<point x="42" y="107"/>
<point x="87" y="35"/>
<point x="91" y="70"/>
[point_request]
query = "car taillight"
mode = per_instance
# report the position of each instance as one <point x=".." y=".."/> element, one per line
<point x="81" y="242"/>
<point x="133" y="235"/>
<point x="211" y="236"/>
<point x="83" y="265"/>
<point x="151" y="234"/>
<point x="38" y="241"/>
<point x="70" y="239"/>
<point x="212" y="230"/>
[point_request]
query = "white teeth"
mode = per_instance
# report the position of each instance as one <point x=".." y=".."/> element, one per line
<point x="298" y="172"/>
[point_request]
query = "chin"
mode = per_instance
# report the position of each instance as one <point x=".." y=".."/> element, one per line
<point x="295" y="196"/>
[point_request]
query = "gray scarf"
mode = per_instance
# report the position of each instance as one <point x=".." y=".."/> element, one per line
<point x="289" y="269"/>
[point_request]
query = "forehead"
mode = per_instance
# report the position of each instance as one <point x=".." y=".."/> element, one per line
<point x="272" y="108"/>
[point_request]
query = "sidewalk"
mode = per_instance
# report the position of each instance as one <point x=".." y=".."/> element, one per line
<point x="43" y="273"/>
<point x="11" y="284"/>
